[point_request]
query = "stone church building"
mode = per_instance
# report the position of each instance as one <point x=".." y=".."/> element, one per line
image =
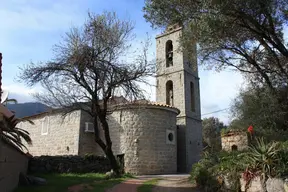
<point x="151" y="137"/>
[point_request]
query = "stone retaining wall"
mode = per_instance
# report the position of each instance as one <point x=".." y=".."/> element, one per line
<point x="69" y="164"/>
<point x="12" y="163"/>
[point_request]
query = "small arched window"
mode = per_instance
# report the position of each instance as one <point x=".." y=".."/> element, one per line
<point x="169" y="53"/>
<point x="169" y="93"/>
<point x="45" y="126"/>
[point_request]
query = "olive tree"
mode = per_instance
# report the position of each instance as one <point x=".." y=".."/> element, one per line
<point x="245" y="35"/>
<point x="211" y="132"/>
<point x="260" y="108"/>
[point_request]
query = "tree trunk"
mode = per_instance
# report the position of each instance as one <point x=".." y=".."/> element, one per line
<point x="113" y="161"/>
<point x="108" y="148"/>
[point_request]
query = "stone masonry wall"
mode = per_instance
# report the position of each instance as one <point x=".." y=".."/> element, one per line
<point x="174" y="73"/>
<point x="87" y="141"/>
<point x="181" y="145"/>
<point x="193" y="142"/>
<point x="237" y="140"/>
<point x="12" y="163"/>
<point x="183" y="72"/>
<point x="144" y="131"/>
<point x="62" y="137"/>
<point x="139" y="132"/>
<point x="69" y="164"/>
<point x="87" y="144"/>
<point x="180" y="74"/>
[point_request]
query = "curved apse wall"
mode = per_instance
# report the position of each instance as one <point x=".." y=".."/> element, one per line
<point x="147" y="137"/>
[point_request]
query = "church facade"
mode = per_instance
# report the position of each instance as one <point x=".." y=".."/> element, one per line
<point x="151" y="138"/>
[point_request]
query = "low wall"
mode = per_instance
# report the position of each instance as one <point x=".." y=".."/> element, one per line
<point x="12" y="162"/>
<point x="69" y="164"/>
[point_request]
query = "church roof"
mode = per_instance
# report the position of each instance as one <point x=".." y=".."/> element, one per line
<point x="148" y="103"/>
<point x="115" y="101"/>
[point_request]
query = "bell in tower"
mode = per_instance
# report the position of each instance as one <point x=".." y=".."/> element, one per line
<point x="169" y="53"/>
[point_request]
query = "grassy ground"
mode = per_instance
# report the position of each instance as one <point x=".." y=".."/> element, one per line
<point x="61" y="182"/>
<point x="147" y="186"/>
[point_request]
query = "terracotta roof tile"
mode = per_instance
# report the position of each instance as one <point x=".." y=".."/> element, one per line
<point x="145" y="102"/>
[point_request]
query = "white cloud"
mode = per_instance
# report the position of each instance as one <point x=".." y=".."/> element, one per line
<point x="20" y="93"/>
<point x="32" y="16"/>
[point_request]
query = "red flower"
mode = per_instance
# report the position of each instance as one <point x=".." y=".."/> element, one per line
<point x="250" y="129"/>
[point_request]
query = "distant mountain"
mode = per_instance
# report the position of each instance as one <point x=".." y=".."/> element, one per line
<point x="27" y="109"/>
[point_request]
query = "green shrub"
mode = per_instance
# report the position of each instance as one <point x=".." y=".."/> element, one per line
<point x="231" y="165"/>
<point x="282" y="168"/>
<point x="284" y="146"/>
<point x="204" y="179"/>
<point x="195" y="172"/>
<point x="264" y="157"/>
<point x="267" y="158"/>
<point x="207" y="181"/>
<point x="272" y="135"/>
<point x="89" y="156"/>
<point x="209" y="172"/>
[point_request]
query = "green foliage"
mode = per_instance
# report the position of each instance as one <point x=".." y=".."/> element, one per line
<point x="218" y="165"/>
<point x="224" y="131"/>
<point x="207" y="182"/>
<point x="12" y="135"/>
<point x="211" y="133"/>
<point x="259" y="107"/>
<point x="268" y="159"/>
<point x="128" y="175"/>
<point x="234" y="179"/>
<point x="89" y="156"/>
<point x="197" y="170"/>
<point x="264" y="156"/>
<point x="229" y="162"/>
<point x="204" y="179"/>
<point x="61" y="182"/>
<point x="231" y="130"/>
<point x="284" y="145"/>
<point x="282" y="168"/>
<point x="246" y="35"/>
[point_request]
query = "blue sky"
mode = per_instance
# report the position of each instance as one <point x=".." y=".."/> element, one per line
<point x="30" y="28"/>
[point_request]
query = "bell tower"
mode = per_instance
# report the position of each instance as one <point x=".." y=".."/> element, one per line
<point x="178" y="86"/>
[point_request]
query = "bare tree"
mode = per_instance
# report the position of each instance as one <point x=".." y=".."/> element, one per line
<point x="88" y="69"/>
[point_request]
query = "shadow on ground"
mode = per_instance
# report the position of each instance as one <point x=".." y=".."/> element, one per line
<point x="166" y="183"/>
<point x="131" y="186"/>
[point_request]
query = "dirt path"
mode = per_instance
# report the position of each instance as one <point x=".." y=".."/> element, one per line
<point x="175" y="183"/>
<point x="167" y="183"/>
